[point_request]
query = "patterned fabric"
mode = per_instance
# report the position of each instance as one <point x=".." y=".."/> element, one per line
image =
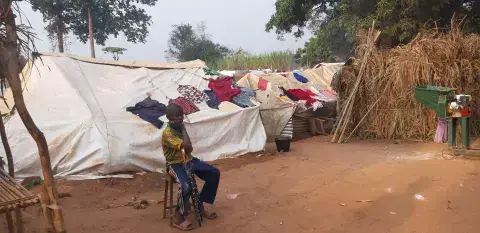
<point x="180" y="204"/>
<point x="172" y="147"/>
<point x="192" y="94"/>
<point x="187" y="106"/>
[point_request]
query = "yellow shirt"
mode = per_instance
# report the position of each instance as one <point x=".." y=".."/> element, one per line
<point x="172" y="147"/>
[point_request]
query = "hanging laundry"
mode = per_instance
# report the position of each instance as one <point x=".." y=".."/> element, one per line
<point x="302" y="95"/>
<point x="248" y="91"/>
<point x="213" y="101"/>
<point x="212" y="72"/>
<point x="149" y="110"/>
<point x="187" y="105"/>
<point x="192" y="94"/>
<point x="223" y="89"/>
<point x="290" y="96"/>
<point x="243" y="100"/>
<point x="300" y="78"/>
<point x="262" y="84"/>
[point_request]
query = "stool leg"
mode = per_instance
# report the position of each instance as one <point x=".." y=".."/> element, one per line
<point x="165" y="198"/>
<point x="171" y="202"/>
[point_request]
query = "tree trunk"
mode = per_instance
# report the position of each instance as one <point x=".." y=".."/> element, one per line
<point x="60" y="39"/>
<point x="11" y="172"/>
<point x="90" y="33"/>
<point x="10" y="65"/>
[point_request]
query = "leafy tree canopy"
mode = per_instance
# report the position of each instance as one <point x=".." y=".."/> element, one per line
<point x="110" y="17"/>
<point x="115" y="51"/>
<point x="337" y="21"/>
<point x="186" y="44"/>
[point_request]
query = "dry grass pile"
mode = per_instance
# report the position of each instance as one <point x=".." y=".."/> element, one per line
<point x="443" y="59"/>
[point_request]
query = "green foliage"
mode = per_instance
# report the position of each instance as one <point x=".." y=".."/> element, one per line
<point x="110" y="17"/>
<point x="336" y="22"/>
<point x="242" y="60"/>
<point x="115" y="51"/>
<point x="185" y="44"/>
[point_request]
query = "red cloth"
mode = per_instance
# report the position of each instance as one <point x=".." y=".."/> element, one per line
<point x="262" y="84"/>
<point x="223" y="89"/>
<point x="303" y="95"/>
<point x="187" y="105"/>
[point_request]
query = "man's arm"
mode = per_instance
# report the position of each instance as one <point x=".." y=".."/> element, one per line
<point x="187" y="144"/>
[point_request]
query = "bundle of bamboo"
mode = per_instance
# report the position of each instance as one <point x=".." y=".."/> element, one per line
<point x="384" y="105"/>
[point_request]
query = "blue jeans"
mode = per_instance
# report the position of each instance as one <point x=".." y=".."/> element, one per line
<point x="204" y="171"/>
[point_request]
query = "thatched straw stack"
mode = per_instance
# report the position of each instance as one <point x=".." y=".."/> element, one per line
<point x="444" y="59"/>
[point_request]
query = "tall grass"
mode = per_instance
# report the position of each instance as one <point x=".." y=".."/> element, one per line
<point x="240" y="60"/>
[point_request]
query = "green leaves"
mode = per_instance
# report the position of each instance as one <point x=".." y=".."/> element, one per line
<point x="337" y="22"/>
<point x="115" y="51"/>
<point x="110" y="17"/>
<point x="185" y="45"/>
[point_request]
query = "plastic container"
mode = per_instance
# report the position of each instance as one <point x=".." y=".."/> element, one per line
<point x="428" y="95"/>
<point x="283" y="144"/>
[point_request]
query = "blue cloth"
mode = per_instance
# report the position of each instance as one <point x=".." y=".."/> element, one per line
<point x="213" y="100"/>
<point x="248" y="91"/>
<point x="204" y="171"/>
<point x="243" y="100"/>
<point x="149" y="110"/>
<point x="300" y="78"/>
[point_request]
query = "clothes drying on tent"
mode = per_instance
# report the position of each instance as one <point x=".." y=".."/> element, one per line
<point x="212" y="101"/>
<point x="262" y="84"/>
<point x="223" y="89"/>
<point x="187" y="105"/>
<point x="243" y="99"/>
<point x="212" y="72"/>
<point x="149" y="110"/>
<point x="300" y="78"/>
<point x="303" y="95"/>
<point x="290" y="96"/>
<point x="192" y="94"/>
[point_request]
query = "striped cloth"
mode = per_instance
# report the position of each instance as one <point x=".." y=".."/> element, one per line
<point x="287" y="132"/>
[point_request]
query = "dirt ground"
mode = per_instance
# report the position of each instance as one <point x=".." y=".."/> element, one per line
<point x="359" y="187"/>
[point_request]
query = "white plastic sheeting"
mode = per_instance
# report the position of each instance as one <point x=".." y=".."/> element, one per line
<point x="80" y="107"/>
<point x="275" y="111"/>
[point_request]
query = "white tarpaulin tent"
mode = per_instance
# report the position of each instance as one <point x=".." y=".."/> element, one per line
<point x="80" y="105"/>
<point x="275" y="111"/>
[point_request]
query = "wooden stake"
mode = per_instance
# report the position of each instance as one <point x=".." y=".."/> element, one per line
<point x="47" y="212"/>
<point x="18" y="220"/>
<point x="10" y="64"/>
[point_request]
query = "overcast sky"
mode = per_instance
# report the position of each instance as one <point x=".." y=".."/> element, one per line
<point x="234" y="23"/>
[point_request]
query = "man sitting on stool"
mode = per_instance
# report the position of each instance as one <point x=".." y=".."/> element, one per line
<point x="177" y="149"/>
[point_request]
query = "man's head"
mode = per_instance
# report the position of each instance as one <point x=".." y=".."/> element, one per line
<point x="174" y="113"/>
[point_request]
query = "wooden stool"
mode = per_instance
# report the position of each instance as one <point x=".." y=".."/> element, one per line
<point x="168" y="198"/>
<point x="168" y="205"/>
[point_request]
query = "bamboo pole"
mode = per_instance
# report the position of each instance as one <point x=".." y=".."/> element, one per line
<point x="347" y="109"/>
<point x="9" y="61"/>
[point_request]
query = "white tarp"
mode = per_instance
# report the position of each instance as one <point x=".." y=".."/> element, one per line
<point x="275" y="111"/>
<point x="81" y="109"/>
